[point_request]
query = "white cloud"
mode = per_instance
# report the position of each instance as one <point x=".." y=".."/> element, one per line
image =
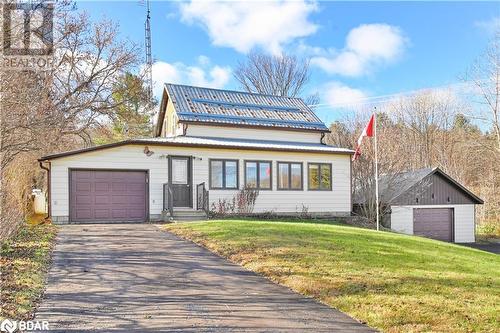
<point x="367" y="46"/>
<point x="243" y="25"/>
<point x="203" y="75"/>
<point x="490" y="26"/>
<point x="338" y="95"/>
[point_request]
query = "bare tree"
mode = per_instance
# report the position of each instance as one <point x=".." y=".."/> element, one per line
<point x="485" y="77"/>
<point x="57" y="108"/>
<point x="281" y="75"/>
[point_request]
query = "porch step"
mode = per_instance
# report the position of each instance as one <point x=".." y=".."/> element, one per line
<point x="185" y="214"/>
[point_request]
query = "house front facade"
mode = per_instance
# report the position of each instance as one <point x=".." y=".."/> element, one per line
<point x="208" y="146"/>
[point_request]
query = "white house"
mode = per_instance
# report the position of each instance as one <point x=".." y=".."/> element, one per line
<point x="208" y="145"/>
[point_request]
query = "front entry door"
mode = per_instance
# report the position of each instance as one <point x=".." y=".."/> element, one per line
<point x="180" y="180"/>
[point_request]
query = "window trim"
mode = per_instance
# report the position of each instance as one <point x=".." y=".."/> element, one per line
<point x="319" y="172"/>
<point x="289" y="163"/>
<point x="223" y="160"/>
<point x="258" y="162"/>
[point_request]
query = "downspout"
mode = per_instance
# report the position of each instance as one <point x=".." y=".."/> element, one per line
<point x="322" y="137"/>
<point x="48" y="187"/>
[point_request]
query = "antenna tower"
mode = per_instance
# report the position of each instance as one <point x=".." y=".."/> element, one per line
<point x="149" y="58"/>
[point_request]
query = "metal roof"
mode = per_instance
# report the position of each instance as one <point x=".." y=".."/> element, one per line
<point x="209" y="142"/>
<point x="253" y="144"/>
<point x="206" y="105"/>
<point x="394" y="185"/>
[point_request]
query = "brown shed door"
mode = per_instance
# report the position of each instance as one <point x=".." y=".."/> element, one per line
<point x="100" y="196"/>
<point x="435" y="223"/>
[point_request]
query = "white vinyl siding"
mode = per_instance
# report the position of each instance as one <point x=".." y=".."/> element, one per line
<point x="272" y="134"/>
<point x="133" y="157"/>
<point x="402" y="220"/>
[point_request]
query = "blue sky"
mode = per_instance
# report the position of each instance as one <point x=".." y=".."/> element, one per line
<point x="359" y="50"/>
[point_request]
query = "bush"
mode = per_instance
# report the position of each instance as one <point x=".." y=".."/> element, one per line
<point x="243" y="203"/>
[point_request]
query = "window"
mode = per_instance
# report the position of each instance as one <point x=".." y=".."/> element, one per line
<point x="320" y="176"/>
<point x="258" y="174"/>
<point x="223" y="174"/>
<point x="179" y="171"/>
<point x="289" y="176"/>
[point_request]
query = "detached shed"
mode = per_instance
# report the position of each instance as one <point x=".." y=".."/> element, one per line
<point x="429" y="203"/>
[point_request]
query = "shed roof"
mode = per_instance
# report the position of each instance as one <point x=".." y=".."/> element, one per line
<point x="227" y="107"/>
<point x="393" y="186"/>
<point x="208" y="142"/>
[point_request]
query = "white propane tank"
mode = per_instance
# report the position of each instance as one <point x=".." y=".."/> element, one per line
<point x="39" y="202"/>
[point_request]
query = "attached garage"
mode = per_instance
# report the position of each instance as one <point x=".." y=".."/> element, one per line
<point x="108" y="195"/>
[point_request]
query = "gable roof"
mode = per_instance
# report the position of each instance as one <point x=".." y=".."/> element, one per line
<point x="237" y="108"/>
<point x="395" y="185"/>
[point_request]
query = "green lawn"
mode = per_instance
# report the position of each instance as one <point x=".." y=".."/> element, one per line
<point x="392" y="282"/>
<point x="24" y="262"/>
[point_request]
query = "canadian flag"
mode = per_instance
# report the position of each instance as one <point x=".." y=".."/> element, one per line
<point x="368" y="131"/>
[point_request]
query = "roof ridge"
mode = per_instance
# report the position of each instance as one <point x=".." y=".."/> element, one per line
<point x="234" y="91"/>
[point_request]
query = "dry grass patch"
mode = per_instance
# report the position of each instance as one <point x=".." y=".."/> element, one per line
<point x="25" y="260"/>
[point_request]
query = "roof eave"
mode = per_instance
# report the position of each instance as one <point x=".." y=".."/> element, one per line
<point x="281" y="128"/>
<point x="185" y="144"/>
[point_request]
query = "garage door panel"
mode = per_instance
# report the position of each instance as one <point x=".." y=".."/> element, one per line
<point x="101" y="200"/>
<point x="83" y="214"/>
<point x="100" y="196"/>
<point x="101" y="213"/>
<point x="82" y="175"/>
<point x="101" y="187"/>
<point x="83" y="187"/>
<point x="122" y="213"/>
<point x="84" y="200"/>
<point x="435" y="223"/>
<point x="119" y="187"/>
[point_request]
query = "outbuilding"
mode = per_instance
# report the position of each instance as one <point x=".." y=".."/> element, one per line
<point x="429" y="203"/>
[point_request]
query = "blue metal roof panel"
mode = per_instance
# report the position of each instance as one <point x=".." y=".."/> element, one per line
<point x="241" y="108"/>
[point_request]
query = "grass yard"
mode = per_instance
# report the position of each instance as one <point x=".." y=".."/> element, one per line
<point x="392" y="282"/>
<point x="24" y="262"/>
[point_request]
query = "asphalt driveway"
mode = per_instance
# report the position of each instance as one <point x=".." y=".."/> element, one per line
<point x="134" y="277"/>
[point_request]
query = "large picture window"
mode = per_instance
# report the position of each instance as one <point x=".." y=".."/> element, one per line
<point x="320" y="176"/>
<point x="258" y="175"/>
<point x="224" y="174"/>
<point x="289" y="176"/>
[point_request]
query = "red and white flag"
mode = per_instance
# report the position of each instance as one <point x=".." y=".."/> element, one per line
<point x="368" y="131"/>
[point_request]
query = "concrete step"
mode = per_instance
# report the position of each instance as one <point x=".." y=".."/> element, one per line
<point x="185" y="215"/>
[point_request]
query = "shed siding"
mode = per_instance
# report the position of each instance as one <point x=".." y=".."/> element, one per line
<point x="252" y="133"/>
<point x="440" y="187"/>
<point x="465" y="224"/>
<point x="402" y="220"/>
<point x="132" y="157"/>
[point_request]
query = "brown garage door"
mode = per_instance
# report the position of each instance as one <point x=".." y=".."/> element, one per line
<point x="101" y="195"/>
<point x="436" y="223"/>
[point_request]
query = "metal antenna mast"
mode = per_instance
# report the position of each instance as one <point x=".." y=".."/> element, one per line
<point x="149" y="58"/>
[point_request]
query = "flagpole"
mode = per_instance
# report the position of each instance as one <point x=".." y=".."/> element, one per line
<point x="376" y="168"/>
